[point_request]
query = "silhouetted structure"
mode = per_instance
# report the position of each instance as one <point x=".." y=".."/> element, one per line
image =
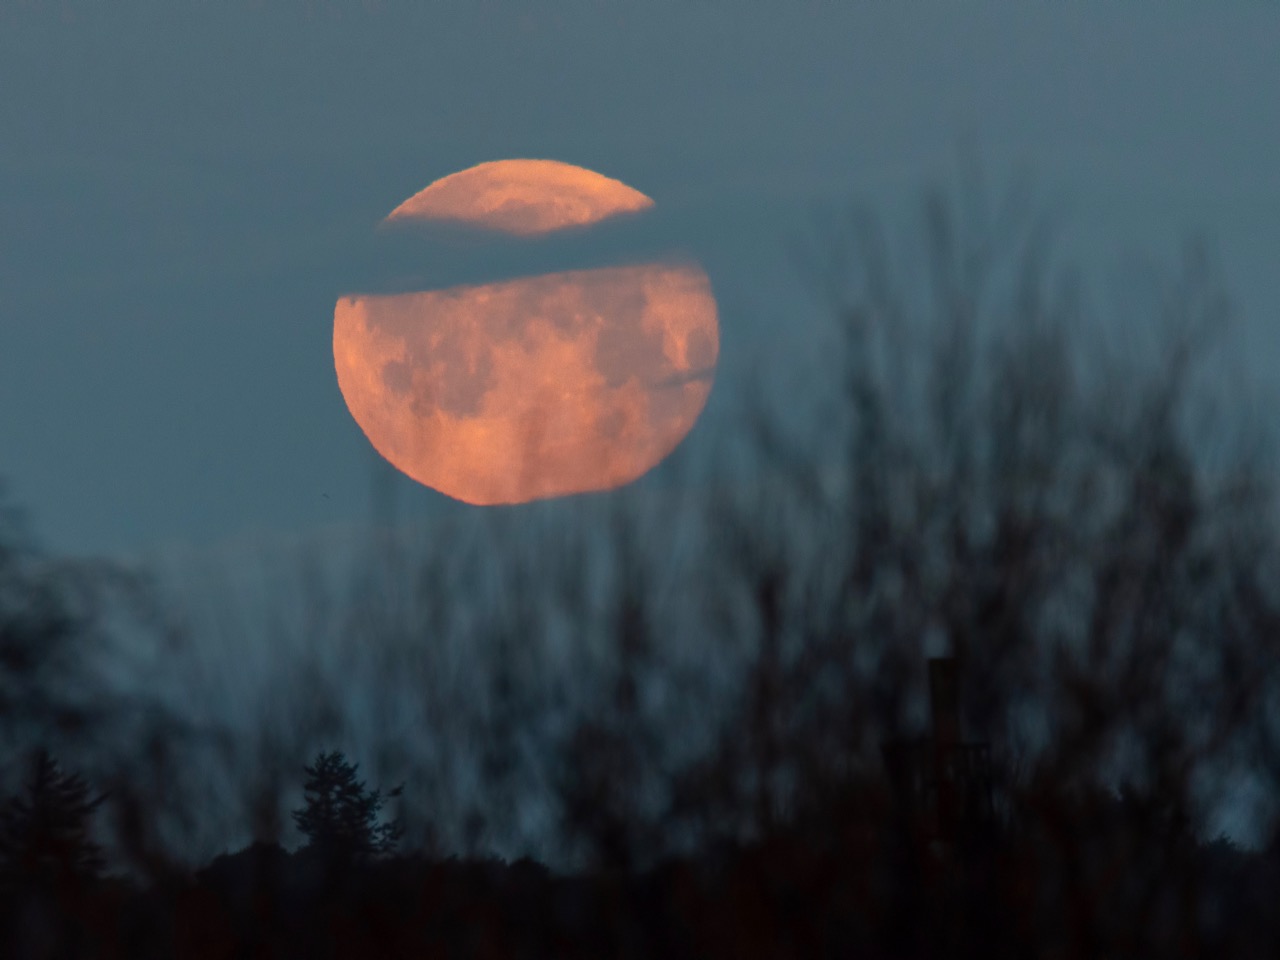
<point x="941" y="784"/>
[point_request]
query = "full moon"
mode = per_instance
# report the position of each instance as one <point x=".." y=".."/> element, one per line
<point x="533" y="387"/>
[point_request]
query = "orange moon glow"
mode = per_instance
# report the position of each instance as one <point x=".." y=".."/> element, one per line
<point x="534" y="387"/>
<point x="524" y="197"/>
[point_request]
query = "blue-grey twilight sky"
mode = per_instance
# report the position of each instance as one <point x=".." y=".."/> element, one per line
<point x="186" y="187"/>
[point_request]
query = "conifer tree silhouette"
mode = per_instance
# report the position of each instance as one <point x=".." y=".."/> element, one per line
<point x="44" y="830"/>
<point x="340" y="817"/>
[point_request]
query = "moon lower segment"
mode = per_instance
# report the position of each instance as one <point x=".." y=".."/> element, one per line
<point x="530" y="388"/>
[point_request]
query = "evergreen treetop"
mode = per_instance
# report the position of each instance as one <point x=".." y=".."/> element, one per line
<point x="340" y="816"/>
<point x="44" y="830"/>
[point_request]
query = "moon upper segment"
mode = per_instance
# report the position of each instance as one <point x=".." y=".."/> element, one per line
<point x="523" y="197"/>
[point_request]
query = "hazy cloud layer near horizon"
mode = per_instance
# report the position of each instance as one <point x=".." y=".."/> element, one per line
<point x="186" y="189"/>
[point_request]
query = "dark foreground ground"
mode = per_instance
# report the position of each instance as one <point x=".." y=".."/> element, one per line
<point x="859" y="895"/>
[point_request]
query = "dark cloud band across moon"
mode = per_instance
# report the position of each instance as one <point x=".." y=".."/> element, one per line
<point x="537" y="386"/>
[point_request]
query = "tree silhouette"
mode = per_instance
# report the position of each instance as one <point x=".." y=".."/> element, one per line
<point x="341" y="815"/>
<point x="44" y="831"/>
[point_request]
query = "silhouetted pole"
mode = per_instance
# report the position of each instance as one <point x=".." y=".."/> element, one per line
<point x="945" y="705"/>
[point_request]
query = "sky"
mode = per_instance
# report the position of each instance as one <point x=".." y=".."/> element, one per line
<point x="186" y="189"/>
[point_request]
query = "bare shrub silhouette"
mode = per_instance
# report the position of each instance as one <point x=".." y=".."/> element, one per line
<point x="608" y="768"/>
<point x="39" y="626"/>
<point x="1011" y="496"/>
